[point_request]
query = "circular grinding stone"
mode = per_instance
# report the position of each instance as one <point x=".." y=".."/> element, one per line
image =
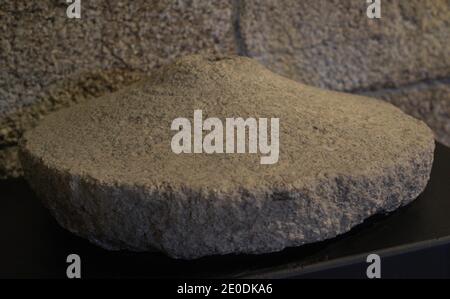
<point x="106" y="170"/>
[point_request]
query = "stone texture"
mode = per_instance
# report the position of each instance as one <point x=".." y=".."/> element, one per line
<point x="59" y="95"/>
<point x="144" y="34"/>
<point x="40" y="46"/>
<point x="9" y="162"/>
<point x="106" y="171"/>
<point x="332" y="43"/>
<point x="429" y="101"/>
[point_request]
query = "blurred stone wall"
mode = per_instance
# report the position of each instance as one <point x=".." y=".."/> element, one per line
<point x="48" y="61"/>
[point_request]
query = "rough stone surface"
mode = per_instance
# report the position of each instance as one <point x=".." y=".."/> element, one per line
<point x="40" y="46"/>
<point x="332" y="43"/>
<point x="61" y="94"/>
<point x="429" y="101"/>
<point x="326" y="43"/>
<point x="106" y="171"/>
<point x="144" y="34"/>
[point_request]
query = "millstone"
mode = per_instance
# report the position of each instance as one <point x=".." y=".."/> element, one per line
<point x="107" y="172"/>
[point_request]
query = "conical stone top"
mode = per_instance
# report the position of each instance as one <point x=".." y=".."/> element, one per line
<point x="154" y="165"/>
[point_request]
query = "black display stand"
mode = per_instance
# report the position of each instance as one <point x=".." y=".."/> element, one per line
<point x="412" y="242"/>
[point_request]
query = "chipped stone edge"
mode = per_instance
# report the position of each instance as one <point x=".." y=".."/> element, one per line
<point x="190" y="224"/>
